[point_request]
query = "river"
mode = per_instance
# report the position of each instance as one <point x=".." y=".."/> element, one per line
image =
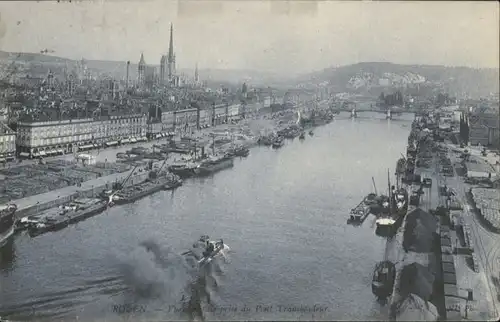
<point x="282" y="212"/>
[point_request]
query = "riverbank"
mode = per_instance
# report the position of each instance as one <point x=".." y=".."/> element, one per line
<point x="445" y="269"/>
<point x="247" y="129"/>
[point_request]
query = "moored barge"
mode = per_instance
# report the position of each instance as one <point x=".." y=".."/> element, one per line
<point x="383" y="279"/>
<point x="61" y="217"/>
<point x="214" y="164"/>
<point x="141" y="190"/>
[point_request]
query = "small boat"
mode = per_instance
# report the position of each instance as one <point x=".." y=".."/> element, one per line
<point x="278" y="143"/>
<point x="173" y="181"/>
<point x="205" y="250"/>
<point x="302" y="135"/>
<point x="383" y="279"/>
<point x="359" y="213"/>
<point x="311" y="133"/>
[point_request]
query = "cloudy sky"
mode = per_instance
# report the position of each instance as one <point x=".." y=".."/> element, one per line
<point x="277" y="36"/>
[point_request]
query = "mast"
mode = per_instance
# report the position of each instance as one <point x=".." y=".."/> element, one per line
<point x="390" y="192"/>
<point x="374" y="186"/>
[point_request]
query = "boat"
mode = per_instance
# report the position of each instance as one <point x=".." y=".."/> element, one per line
<point x="311" y="133"/>
<point x="65" y="215"/>
<point x="205" y="251"/>
<point x="141" y="190"/>
<point x="278" y="142"/>
<point x="383" y="279"/>
<point x="266" y="140"/>
<point x="7" y="222"/>
<point x="238" y="151"/>
<point x="173" y="181"/>
<point x="359" y="213"/>
<point x="302" y="135"/>
<point x="213" y="164"/>
<point x="184" y="170"/>
<point x="397" y="207"/>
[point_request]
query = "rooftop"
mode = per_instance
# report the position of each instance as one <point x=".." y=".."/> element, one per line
<point x="477" y="165"/>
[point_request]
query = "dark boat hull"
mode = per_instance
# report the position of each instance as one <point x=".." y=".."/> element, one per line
<point x="71" y="217"/>
<point x="183" y="172"/>
<point x="136" y="195"/>
<point x="172" y="185"/>
<point x="383" y="280"/>
<point x="205" y="170"/>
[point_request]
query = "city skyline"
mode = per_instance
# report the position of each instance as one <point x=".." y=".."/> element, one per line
<point x="228" y="35"/>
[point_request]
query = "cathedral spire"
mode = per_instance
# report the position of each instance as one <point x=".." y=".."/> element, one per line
<point x="171" y="45"/>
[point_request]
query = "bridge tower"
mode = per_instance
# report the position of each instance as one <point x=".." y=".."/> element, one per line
<point x="389" y="114"/>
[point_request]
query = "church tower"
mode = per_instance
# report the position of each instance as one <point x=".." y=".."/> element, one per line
<point x="163" y="70"/>
<point x="142" y="70"/>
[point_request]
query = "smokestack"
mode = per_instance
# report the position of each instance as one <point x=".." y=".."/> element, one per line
<point x="128" y="68"/>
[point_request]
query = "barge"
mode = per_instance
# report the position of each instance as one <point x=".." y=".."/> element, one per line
<point x="184" y="170"/>
<point x="214" y="164"/>
<point x="383" y="279"/>
<point x="359" y="213"/>
<point x="238" y="151"/>
<point x="61" y="217"/>
<point x="139" y="191"/>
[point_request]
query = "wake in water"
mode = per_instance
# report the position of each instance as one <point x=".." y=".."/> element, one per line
<point x="158" y="276"/>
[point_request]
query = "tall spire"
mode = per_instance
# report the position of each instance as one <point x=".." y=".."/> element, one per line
<point x="171" y="45"/>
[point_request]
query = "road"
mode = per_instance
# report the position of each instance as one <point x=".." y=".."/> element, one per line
<point x="487" y="249"/>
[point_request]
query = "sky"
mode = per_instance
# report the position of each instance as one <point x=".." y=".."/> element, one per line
<point x="283" y="37"/>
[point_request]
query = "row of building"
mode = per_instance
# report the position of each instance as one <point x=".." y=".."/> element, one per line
<point x="35" y="138"/>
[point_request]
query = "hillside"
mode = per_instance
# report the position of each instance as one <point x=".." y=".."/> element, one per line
<point x="377" y="75"/>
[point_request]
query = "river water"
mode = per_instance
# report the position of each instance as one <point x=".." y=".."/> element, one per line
<point x="282" y="212"/>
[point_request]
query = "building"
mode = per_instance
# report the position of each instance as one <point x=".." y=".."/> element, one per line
<point x="54" y="137"/>
<point x="484" y="129"/>
<point x="141" y="71"/>
<point x="7" y="143"/>
<point x="479" y="169"/>
<point x="234" y="112"/>
<point x="163" y="70"/>
<point x="151" y="77"/>
<point x="168" y="121"/>
<point x="156" y="128"/>
<point x="186" y="120"/>
<point x="45" y="138"/>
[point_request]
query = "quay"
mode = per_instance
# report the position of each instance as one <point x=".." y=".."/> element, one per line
<point x="446" y="257"/>
<point x="93" y="188"/>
